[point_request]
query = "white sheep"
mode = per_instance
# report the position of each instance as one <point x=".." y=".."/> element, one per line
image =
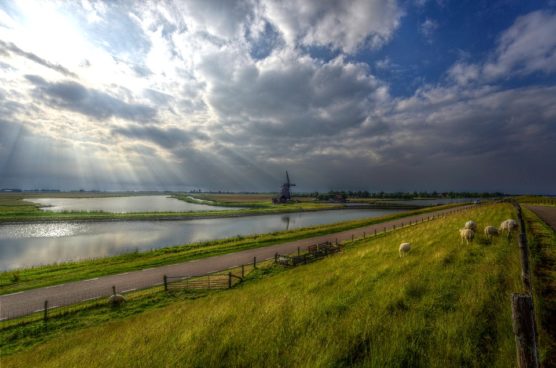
<point x="471" y="225"/>
<point x="466" y="234"/>
<point x="490" y="231"/>
<point x="116" y="300"/>
<point x="404" y="248"/>
<point x="508" y="226"/>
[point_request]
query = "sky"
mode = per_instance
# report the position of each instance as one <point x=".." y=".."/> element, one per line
<point x="378" y="95"/>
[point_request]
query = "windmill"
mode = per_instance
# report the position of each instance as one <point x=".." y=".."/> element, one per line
<point x="285" y="194"/>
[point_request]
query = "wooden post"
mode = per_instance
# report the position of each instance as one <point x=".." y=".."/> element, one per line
<point x="275" y="257"/>
<point x="208" y="276"/>
<point x="523" y="321"/>
<point x="364" y="234"/>
<point x="165" y="283"/>
<point x="114" y="289"/>
<point x="394" y="226"/>
<point x="352" y="237"/>
<point x="242" y="271"/>
<point x="385" y="229"/>
<point x="255" y="262"/>
<point x="298" y="251"/>
<point x="336" y="241"/>
<point x="402" y="224"/>
<point x="229" y="280"/>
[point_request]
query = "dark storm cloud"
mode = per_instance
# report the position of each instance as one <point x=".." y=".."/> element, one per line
<point x="96" y="104"/>
<point x="167" y="138"/>
<point x="8" y="46"/>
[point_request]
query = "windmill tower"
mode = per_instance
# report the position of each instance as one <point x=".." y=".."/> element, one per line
<point x="285" y="194"/>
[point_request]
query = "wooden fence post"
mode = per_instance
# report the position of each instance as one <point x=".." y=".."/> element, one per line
<point x="229" y="280"/>
<point x="523" y="322"/>
<point x="255" y="262"/>
<point x="165" y="283"/>
<point x="242" y="271"/>
<point x="364" y="234"/>
<point x="352" y="237"/>
<point x="298" y="251"/>
<point x="113" y="289"/>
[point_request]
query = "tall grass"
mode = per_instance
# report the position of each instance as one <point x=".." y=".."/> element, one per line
<point x="444" y="305"/>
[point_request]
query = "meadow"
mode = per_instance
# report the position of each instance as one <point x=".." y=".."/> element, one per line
<point x="445" y="304"/>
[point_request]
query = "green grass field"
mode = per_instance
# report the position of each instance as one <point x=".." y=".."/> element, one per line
<point x="23" y="279"/>
<point x="443" y="305"/>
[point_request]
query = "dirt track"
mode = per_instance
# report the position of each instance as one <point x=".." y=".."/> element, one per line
<point x="546" y="213"/>
<point x="29" y="301"/>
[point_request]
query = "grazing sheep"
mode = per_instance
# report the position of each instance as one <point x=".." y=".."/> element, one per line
<point x="490" y="231"/>
<point x="116" y="299"/>
<point x="508" y="226"/>
<point x="471" y="225"/>
<point x="404" y="248"/>
<point x="466" y="234"/>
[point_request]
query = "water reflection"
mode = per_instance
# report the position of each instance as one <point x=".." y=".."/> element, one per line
<point x="155" y="203"/>
<point x="27" y="245"/>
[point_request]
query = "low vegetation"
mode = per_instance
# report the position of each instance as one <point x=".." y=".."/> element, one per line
<point x="442" y="305"/>
<point x="23" y="279"/>
<point x="542" y="242"/>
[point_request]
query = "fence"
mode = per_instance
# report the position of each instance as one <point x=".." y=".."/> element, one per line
<point x="201" y="282"/>
<point x="314" y="252"/>
<point x="523" y="314"/>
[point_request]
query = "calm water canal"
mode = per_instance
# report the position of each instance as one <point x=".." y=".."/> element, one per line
<point x="150" y="203"/>
<point x="25" y="245"/>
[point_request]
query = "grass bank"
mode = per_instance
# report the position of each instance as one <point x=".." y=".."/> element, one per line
<point x="23" y="279"/>
<point x="14" y="209"/>
<point x="443" y="305"/>
<point x="542" y="242"/>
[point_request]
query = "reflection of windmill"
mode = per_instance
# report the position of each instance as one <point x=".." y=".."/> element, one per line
<point x="285" y="194"/>
<point x="286" y="220"/>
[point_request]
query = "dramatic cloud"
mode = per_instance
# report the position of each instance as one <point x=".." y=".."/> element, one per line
<point x="99" y="105"/>
<point x="341" y="25"/>
<point x="227" y="95"/>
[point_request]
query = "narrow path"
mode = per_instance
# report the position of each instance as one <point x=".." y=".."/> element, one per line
<point x="546" y="213"/>
<point x="29" y="301"/>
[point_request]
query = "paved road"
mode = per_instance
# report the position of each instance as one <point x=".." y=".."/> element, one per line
<point x="546" y="213"/>
<point x="26" y="302"/>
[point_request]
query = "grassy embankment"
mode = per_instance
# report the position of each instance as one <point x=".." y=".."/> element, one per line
<point x="444" y="305"/>
<point x="542" y="242"/>
<point x="14" y="209"/>
<point x="23" y="279"/>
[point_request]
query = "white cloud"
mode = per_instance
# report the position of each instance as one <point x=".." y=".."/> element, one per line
<point x="340" y="25"/>
<point x="428" y="27"/>
<point x="528" y="46"/>
<point x="463" y="73"/>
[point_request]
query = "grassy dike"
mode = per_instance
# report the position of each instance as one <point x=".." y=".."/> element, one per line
<point x="443" y="305"/>
<point x="23" y="279"/>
